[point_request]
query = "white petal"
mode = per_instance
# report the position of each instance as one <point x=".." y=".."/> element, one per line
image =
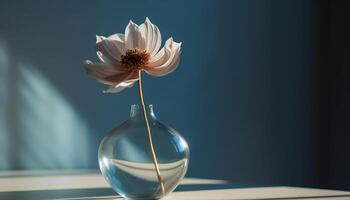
<point x="133" y="37"/>
<point x="152" y="36"/>
<point x="149" y="37"/>
<point x="166" y="69"/>
<point x="118" y="36"/>
<point x="120" y="87"/>
<point x="143" y="37"/>
<point x="170" y="68"/>
<point x="127" y="83"/>
<point x="106" y="73"/>
<point x="162" y="56"/>
<point x="157" y="41"/>
<point x="108" y="50"/>
<point x="166" y="60"/>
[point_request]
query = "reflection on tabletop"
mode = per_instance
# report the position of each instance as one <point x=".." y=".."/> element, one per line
<point x="89" y="184"/>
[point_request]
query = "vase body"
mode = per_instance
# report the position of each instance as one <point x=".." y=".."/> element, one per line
<point x="126" y="162"/>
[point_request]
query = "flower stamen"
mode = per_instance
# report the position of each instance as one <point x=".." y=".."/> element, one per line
<point x="135" y="59"/>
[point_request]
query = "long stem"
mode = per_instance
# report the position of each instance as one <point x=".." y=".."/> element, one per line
<point x="150" y="143"/>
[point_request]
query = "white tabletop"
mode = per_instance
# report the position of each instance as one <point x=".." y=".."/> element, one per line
<point x="66" y="185"/>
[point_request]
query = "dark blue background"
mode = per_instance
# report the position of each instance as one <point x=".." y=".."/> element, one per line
<point x="245" y="95"/>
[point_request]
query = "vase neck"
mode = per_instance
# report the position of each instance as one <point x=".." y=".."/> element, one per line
<point x="136" y="110"/>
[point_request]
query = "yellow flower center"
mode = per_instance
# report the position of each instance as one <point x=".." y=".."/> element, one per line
<point x="135" y="59"/>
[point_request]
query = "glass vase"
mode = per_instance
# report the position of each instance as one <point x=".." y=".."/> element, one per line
<point x="126" y="162"/>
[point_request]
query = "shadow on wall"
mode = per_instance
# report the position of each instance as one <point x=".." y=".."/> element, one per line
<point x="38" y="127"/>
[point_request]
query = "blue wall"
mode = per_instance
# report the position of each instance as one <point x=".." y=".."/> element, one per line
<point x="242" y="96"/>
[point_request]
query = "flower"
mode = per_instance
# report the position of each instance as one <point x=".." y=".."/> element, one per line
<point x="124" y="55"/>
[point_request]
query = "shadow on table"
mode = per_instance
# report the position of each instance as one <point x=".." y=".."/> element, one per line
<point x="97" y="193"/>
<point x="109" y="194"/>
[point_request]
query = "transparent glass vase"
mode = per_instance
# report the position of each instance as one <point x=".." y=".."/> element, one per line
<point x="126" y="163"/>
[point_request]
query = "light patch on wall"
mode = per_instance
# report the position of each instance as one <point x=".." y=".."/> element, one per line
<point x="3" y="103"/>
<point x="38" y="127"/>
